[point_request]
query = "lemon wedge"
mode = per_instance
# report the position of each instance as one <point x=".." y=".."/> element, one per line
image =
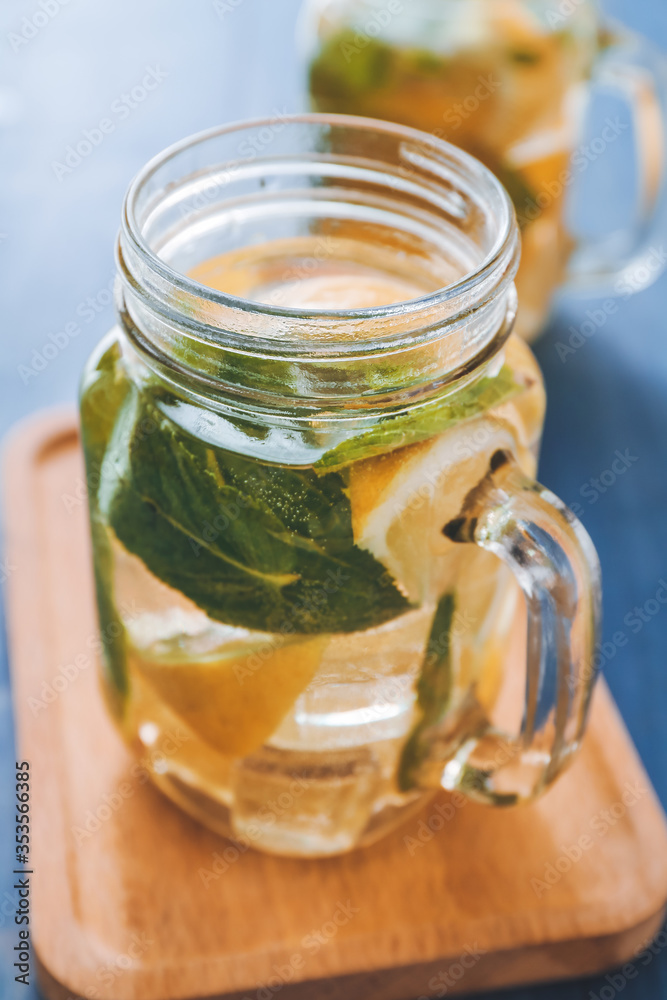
<point x="402" y="500"/>
<point x="235" y="702"/>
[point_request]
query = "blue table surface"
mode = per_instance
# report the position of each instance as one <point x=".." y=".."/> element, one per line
<point x="237" y="59"/>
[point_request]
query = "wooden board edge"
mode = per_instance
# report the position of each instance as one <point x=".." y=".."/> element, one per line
<point x="535" y="965"/>
<point x="31" y="436"/>
<point x="27" y="445"/>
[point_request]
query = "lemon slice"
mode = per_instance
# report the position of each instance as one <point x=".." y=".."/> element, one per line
<point x="491" y="675"/>
<point x="235" y="702"/>
<point x="525" y="412"/>
<point x="342" y="291"/>
<point x="402" y="500"/>
<point x="330" y="272"/>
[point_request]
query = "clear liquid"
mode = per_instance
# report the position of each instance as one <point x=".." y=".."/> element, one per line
<point x="324" y="780"/>
<point x="293" y="743"/>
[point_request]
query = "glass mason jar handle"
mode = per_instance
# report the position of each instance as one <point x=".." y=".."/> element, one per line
<point x="556" y="566"/>
<point x="630" y="260"/>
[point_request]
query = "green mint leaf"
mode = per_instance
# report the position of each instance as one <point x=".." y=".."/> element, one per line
<point x="348" y="65"/>
<point x="526" y="57"/>
<point x="521" y="193"/>
<point x="103" y="392"/>
<point x="427" y="63"/>
<point x="434" y="689"/>
<point x="253" y="545"/>
<point x="112" y="630"/>
<point x="423" y="422"/>
<point x="102" y="396"/>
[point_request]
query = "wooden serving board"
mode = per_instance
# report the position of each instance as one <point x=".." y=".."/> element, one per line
<point x="148" y="905"/>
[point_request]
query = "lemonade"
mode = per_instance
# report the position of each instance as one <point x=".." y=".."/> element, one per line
<point x="310" y="445"/>
<point x="288" y="609"/>
<point x="503" y="79"/>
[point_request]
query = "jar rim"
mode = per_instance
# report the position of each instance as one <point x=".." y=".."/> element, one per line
<point x="497" y="259"/>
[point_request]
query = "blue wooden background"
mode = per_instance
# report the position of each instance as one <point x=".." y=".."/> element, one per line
<point x="236" y="61"/>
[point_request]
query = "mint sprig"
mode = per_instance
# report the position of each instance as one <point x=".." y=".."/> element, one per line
<point x="253" y="545"/>
<point x="423" y="422"/>
<point x="434" y="690"/>
<point x="102" y="396"/>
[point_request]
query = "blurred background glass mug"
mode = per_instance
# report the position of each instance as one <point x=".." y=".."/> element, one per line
<point x="310" y="444"/>
<point x="510" y="81"/>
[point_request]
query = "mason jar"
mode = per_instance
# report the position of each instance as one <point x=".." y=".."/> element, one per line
<point x="310" y="443"/>
<point x="510" y="82"/>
